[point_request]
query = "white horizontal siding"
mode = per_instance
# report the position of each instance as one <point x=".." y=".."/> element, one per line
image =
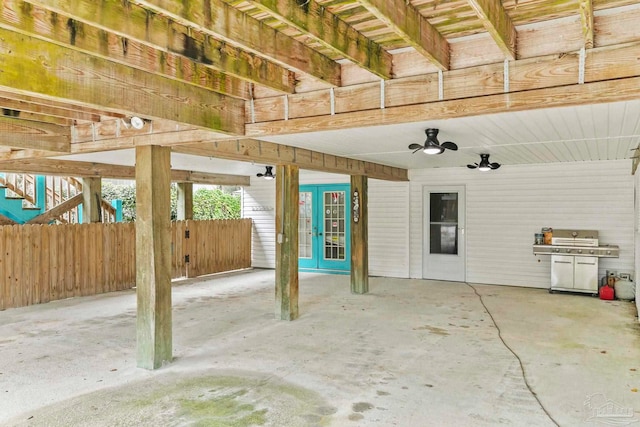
<point x="504" y="209"/>
<point x="258" y="203"/>
<point x="388" y="228"/>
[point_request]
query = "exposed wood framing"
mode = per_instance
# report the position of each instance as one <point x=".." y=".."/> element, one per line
<point x="185" y="201"/>
<point x="18" y="101"/>
<point x="636" y="160"/>
<point x="62" y="73"/>
<point x="18" y="133"/>
<point x="57" y="211"/>
<point x="287" y="208"/>
<point x="332" y="32"/>
<point x="268" y="152"/>
<point x="408" y="23"/>
<point x="586" y="17"/>
<point x="91" y="200"/>
<point x="104" y="170"/>
<point x="359" y="235"/>
<point x="498" y="24"/>
<point x="220" y="19"/>
<point x="153" y="257"/>
<point x="133" y="28"/>
<point x="610" y="75"/>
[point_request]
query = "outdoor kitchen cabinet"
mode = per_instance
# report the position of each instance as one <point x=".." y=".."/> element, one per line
<point x="574" y="273"/>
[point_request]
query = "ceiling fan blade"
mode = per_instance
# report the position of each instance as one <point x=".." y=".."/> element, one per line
<point x="494" y="165"/>
<point x="417" y="149"/>
<point x="415" y="146"/>
<point x="473" y="166"/>
<point x="259" y="175"/>
<point x="449" y="146"/>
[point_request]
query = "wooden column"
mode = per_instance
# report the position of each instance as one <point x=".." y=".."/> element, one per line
<point x="287" y="242"/>
<point x="91" y="198"/>
<point x="153" y="260"/>
<point x="359" y="236"/>
<point x="185" y="201"/>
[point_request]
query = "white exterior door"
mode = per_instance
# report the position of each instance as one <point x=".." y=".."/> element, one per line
<point x="444" y="233"/>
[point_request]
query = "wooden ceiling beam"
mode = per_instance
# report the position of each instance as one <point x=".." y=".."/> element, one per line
<point x="586" y="18"/>
<point x="499" y="25"/>
<point x="268" y="152"/>
<point x="415" y="29"/>
<point x="36" y="105"/>
<point x="8" y="109"/>
<point x="313" y="18"/>
<point x="183" y="50"/>
<point x="222" y="20"/>
<point x="624" y="89"/>
<point x="58" y="28"/>
<point x="26" y="134"/>
<point x="104" y="170"/>
<point x="34" y="66"/>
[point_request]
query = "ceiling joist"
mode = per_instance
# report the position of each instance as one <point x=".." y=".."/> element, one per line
<point x="27" y="134"/>
<point x="219" y="19"/>
<point x="127" y="32"/>
<point x="38" y="67"/>
<point x="498" y="24"/>
<point x="586" y="19"/>
<point x="332" y="32"/>
<point x="408" y="23"/>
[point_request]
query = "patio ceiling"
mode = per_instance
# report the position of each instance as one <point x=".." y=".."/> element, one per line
<point x="526" y="81"/>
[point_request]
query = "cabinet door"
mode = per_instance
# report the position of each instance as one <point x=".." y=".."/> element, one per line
<point x="586" y="273"/>
<point x="562" y="271"/>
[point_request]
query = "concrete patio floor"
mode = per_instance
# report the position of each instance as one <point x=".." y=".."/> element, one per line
<point x="409" y="353"/>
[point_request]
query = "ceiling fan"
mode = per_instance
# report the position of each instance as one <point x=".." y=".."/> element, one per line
<point x="431" y="145"/>
<point x="484" y="165"/>
<point x="268" y="174"/>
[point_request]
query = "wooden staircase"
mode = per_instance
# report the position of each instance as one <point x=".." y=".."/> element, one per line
<point x="38" y="199"/>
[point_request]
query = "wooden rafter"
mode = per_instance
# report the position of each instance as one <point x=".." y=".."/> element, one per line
<point x="332" y="32"/>
<point x="222" y="20"/>
<point x="62" y="73"/>
<point x="268" y="152"/>
<point x="586" y="18"/>
<point x="19" y="133"/>
<point x="414" y="28"/>
<point x="104" y="170"/>
<point x="133" y="30"/>
<point x="498" y="24"/>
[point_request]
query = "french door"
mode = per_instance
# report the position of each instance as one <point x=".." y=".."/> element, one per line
<point x="444" y="233"/>
<point x="323" y="227"/>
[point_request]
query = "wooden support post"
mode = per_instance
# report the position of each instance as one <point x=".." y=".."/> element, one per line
<point x="153" y="256"/>
<point x="91" y="198"/>
<point x="359" y="235"/>
<point x="185" y="201"/>
<point x="287" y="180"/>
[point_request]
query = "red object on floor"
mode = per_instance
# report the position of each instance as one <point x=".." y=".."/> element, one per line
<point x="606" y="292"/>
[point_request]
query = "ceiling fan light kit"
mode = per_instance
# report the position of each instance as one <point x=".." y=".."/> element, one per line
<point x="431" y="145"/>
<point x="484" y="164"/>
<point x="268" y="174"/>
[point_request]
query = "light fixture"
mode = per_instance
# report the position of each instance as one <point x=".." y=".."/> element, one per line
<point x="432" y="145"/>
<point x="484" y="164"/>
<point x="134" y="122"/>
<point x="268" y="174"/>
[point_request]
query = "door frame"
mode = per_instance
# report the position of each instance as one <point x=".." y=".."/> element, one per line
<point x="444" y="261"/>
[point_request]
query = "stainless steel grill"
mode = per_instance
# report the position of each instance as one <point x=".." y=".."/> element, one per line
<point x="574" y="259"/>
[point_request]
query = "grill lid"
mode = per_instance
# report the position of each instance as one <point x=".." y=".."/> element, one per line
<point x="575" y="237"/>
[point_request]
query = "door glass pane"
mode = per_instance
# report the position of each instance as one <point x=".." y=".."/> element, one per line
<point x="305" y="225"/>
<point x="443" y="223"/>
<point x="334" y="225"/>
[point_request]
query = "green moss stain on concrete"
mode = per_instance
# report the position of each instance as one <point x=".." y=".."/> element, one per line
<point x="204" y="399"/>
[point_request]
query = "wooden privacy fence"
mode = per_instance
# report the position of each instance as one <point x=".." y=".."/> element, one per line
<point x="42" y="263"/>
